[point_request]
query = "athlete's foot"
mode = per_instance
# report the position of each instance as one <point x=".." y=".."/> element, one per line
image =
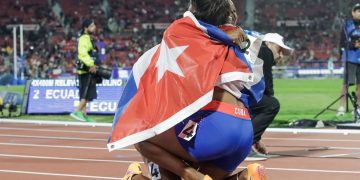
<point x="260" y="148"/>
<point x="133" y="170"/>
<point x="256" y="172"/>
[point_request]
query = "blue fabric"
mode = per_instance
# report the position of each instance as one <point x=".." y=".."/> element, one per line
<point x="353" y="55"/>
<point x="221" y="139"/>
<point x="126" y="97"/>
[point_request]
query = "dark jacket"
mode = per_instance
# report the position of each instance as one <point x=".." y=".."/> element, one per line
<point x="266" y="54"/>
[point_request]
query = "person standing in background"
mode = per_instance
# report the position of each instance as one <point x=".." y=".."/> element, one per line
<point x="86" y="69"/>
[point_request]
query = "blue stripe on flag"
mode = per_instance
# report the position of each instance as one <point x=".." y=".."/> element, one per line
<point x="128" y="93"/>
<point x="217" y="34"/>
<point x="254" y="95"/>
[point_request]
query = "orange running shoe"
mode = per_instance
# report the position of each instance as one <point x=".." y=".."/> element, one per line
<point x="133" y="169"/>
<point x="256" y="172"/>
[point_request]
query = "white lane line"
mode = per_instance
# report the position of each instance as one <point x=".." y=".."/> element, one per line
<point x="56" y="174"/>
<point x="52" y="146"/>
<point x="322" y="147"/>
<point x="314" y="170"/>
<point x="86" y="124"/>
<point x="64" y="147"/>
<point x="48" y="130"/>
<point x="344" y="148"/>
<point x="334" y="155"/>
<point x="314" y="131"/>
<point x="93" y="139"/>
<point x="340" y="155"/>
<point x="302" y="139"/>
<point x="51" y="137"/>
<point x="309" y="170"/>
<point x="98" y="148"/>
<point x="63" y="159"/>
<point x="62" y="123"/>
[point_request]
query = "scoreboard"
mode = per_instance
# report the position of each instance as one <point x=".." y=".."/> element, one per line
<point x="58" y="96"/>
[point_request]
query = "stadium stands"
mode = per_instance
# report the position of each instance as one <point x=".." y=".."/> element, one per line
<point x="50" y="51"/>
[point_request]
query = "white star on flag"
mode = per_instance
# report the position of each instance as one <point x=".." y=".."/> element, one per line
<point x="167" y="60"/>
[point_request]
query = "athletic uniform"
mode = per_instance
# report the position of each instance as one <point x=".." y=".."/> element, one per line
<point x="223" y="137"/>
<point x="222" y="133"/>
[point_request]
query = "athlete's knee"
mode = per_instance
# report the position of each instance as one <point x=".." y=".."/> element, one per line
<point x="142" y="147"/>
<point x="137" y="147"/>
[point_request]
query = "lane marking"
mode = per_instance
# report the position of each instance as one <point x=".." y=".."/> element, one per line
<point x="129" y="149"/>
<point x="334" y="155"/>
<point x="324" y="147"/>
<point x="344" y="148"/>
<point x="94" y="139"/>
<point x="118" y="161"/>
<point x="56" y="174"/>
<point x="86" y="124"/>
<point x="309" y="170"/>
<point x="340" y="155"/>
<point x="302" y="139"/>
<point x="65" y="147"/>
<point x="64" y="159"/>
<point x="48" y="130"/>
<point x="51" y="137"/>
<point x="315" y="131"/>
<point x="63" y="123"/>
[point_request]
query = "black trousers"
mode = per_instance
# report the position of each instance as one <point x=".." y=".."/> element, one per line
<point x="262" y="114"/>
<point x="87" y="87"/>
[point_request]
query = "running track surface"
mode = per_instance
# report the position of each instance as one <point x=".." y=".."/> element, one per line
<point x="34" y="151"/>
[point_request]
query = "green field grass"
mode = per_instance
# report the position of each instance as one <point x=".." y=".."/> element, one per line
<point x="299" y="99"/>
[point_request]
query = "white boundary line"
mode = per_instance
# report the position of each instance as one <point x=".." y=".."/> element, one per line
<point x="49" y="130"/>
<point x="340" y="155"/>
<point x="64" y="147"/>
<point x="94" y="139"/>
<point x="65" y="123"/>
<point x="64" y="159"/>
<point x="316" y="131"/>
<point x="51" y="137"/>
<point x="308" y="170"/>
<point x="118" y="161"/>
<point x="56" y="174"/>
<point x="87" y="124"/>
<point x="304" y="139"/>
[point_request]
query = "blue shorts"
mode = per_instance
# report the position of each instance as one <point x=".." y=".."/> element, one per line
<point x="223" y="135"/>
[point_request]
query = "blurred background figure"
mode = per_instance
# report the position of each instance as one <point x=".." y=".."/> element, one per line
<point x="272" y="51"/>
<point x="350" y="54"/>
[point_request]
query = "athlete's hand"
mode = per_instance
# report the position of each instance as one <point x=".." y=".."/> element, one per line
<point x="93" y="69"/>
<point x="237" y="35"/>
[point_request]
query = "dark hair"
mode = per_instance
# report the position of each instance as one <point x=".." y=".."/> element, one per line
<point x="215" y="12"/>
<point x="356" y="7"/>
<point x="86" y="23"/>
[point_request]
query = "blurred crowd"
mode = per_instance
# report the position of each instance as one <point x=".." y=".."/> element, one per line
<point x="312" y="27"/>
<point x="128" y="28"/>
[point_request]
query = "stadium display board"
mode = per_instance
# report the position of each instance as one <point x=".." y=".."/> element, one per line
<point x="58" y="96"/>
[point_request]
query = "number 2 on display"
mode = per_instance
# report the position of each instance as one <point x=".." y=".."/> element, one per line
<point x="36" y="94"/>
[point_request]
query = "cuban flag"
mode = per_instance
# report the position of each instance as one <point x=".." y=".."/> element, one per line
<point x="177" y="78"/>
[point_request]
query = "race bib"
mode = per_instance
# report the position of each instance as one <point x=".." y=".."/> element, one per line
<point x="154" y="171"/>
<point x="189" y="131"/>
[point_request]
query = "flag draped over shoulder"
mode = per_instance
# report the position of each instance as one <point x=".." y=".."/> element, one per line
<point x="176" y="78"/>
